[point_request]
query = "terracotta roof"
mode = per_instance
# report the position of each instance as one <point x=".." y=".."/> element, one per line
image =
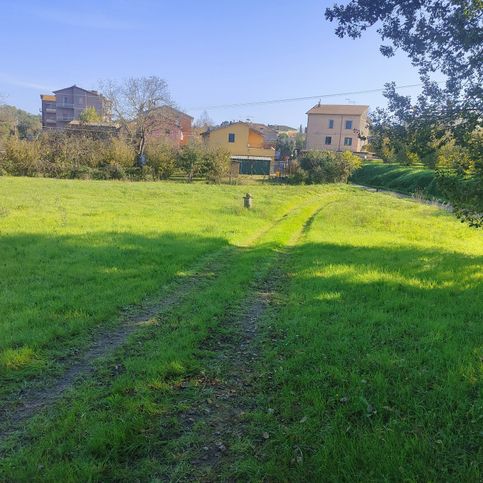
<point x="177" y="111"/>
<point x="346" y="109"/>
<point x="47" y="97"/>
<point x="254" y="126"/>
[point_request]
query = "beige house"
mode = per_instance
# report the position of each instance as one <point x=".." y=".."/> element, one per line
<point x="336" y="127"/>
<point x="249" y="144"/>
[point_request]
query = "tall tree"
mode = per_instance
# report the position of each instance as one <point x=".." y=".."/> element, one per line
<point x="437" y="35"/>
<point x="134" y="103"/>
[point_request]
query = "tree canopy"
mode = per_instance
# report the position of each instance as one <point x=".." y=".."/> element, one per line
<point x="438" y="36"/>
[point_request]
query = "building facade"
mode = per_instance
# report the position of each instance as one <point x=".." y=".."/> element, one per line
<point x="337" y="127"/>
<point x="66" y="105"/>
<point x="171" y="126"/>
<point x="246" y="144"/>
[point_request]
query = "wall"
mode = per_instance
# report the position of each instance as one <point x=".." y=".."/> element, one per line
<point x="318" y="129"/>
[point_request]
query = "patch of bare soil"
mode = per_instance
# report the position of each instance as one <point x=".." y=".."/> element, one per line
<point x="219" y="417"/>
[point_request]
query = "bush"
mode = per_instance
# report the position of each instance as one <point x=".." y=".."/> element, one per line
<point x="21" y="157"/>
<point x="120" y="154"/>
<point x="454" y="157"/>
<point x="217" y="164"/>
<point x="328" y="166"/>
<point x="162" y="160"/>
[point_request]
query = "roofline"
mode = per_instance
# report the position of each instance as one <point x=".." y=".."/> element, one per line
<point x="333" y="113"/>
<point x="177" y="110"/>
<point x="81" y="88"/>
<point x="249" y="124"/>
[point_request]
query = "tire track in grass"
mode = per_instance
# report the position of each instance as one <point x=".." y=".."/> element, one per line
<point x="17" y="411"/>
<point x="218" y="418"/>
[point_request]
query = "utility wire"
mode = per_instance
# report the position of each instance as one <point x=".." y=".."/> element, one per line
<point x="295" y="99"/>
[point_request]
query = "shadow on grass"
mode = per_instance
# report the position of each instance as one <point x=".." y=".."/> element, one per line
<point x="388" y="339"/>
<point x="54" y="289"/>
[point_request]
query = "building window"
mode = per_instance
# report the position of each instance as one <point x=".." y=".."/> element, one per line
<point x="328" y="139"/>
<point x="347" y="141"/>
<point x="231" y="137"/>
<point x="348" y="124"/>
<point x="66" y="100"/>
<point x="81" y="101"/>
<point x="331" y="125"/>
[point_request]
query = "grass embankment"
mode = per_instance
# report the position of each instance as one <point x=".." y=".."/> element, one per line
<point x="404" y="179"/>
<point x="369" y="359"/>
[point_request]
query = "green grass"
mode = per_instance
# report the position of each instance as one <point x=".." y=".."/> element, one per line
<point x="405" y="179"/>
<point x="74" y="253"/>
<point x="376" y="372"/>
<point x="370" y="364"/>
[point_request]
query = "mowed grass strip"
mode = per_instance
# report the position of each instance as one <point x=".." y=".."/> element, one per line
<point x="122" y="424"/>
<point x="72" y="253"/>
<point x="372" y="356"/>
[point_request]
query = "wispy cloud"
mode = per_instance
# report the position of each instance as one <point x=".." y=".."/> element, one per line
<point x="7" y="79"/>
<point x="90" y="20"/>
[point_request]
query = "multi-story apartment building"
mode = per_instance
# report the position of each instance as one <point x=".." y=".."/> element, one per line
<point x="337" y="127"/>
<point x="67" y="104"/>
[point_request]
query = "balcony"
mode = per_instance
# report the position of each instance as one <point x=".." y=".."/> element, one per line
<point x="50" y="121"/>
<point x="51" y="110"/>
<point x="66" y="105"/>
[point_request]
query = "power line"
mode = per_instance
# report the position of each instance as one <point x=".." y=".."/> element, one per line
<point x="295" y="99"/>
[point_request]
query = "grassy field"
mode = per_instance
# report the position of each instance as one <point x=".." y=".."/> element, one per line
<point x="365" y="364"/>
<point x="405" y="179"/>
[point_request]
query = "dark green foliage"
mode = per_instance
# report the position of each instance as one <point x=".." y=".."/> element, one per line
<point x="465" y="193"/>
<point x="327" y="166"/>
<point x="437" y="35"/>
<point x="196" y="160"/>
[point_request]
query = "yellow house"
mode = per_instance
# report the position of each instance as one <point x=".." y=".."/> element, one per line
<point x="247" y="145"/>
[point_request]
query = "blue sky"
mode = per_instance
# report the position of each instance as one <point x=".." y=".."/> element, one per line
<point x="211" y="52"/>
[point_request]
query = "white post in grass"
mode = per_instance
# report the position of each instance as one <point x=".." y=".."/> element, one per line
<point x="247" y="200"/>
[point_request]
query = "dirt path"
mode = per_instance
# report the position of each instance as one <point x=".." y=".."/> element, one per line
<point x="41" y="395"/>
<point x="36" y="398"/>
<point x="227" y="395"/>
<point x="397" y="194"/>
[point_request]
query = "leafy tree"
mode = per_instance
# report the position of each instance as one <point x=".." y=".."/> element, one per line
<point x="89" y="115"/>
<point x="437" y="35"/>
<point x="17" y="122"/>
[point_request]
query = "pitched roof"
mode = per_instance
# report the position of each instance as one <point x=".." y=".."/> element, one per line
<point x="346" y="109"/>
<point x="254" y="126"/>
<point x="176" y="111"/>
<point x="81" y="88"/>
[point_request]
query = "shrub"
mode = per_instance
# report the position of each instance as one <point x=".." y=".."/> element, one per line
<point x="162" y="160"/>
<point x="21" y="157"/>
<point x="328" y="166"/>
<point x="454" y="157"/>
<point x="120" y="153"/>
<point x="217" y="164"/>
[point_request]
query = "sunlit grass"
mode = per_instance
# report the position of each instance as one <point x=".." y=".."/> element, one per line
<point x="370" y="365"/>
